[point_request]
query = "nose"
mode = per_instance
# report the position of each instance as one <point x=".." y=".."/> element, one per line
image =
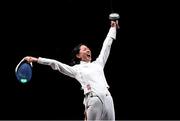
<point x="88" y="51"/>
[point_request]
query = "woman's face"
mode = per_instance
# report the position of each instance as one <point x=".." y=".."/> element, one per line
<point x="84" y="54"/>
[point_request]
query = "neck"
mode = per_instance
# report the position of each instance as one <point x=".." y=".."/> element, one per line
<point x="85" y="62"/>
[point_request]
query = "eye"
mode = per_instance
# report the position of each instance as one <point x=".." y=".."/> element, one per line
<point x="85" y="49"/>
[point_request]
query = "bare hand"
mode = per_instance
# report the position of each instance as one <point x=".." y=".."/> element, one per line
<point x="115" y="24"/>
<point x="30" y="59"/>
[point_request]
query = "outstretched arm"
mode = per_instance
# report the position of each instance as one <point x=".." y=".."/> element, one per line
<point x="55" y="65"/>
<point x="104" y="53"/>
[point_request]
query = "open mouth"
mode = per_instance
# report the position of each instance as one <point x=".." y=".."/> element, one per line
<point x="89" y="55"/>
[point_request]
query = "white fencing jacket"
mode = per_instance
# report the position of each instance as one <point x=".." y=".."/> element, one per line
<point x="89" y="75"/>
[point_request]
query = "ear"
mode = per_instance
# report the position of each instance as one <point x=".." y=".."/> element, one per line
<point x="78" y="56"/>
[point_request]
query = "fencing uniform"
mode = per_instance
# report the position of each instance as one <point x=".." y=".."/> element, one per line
<point x="98" y="101"/>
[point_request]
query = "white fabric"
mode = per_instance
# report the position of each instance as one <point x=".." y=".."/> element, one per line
<point x="90" y="75"/>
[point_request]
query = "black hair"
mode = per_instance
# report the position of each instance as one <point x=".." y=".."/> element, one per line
<point x="75" y="51"/>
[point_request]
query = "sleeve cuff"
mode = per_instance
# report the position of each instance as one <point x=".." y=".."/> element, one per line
<point x="112" y="32"/>
<point x="40" y="60"/>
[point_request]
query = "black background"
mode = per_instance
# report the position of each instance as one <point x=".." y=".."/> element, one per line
<point x="140" y="69"/>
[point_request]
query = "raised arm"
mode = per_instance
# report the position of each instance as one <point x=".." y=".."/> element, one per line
<point x="55" y="65"/>
<point x="104" y="53"/>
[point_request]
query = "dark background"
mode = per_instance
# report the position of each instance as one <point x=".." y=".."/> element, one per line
<point x="140" y="69"/>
